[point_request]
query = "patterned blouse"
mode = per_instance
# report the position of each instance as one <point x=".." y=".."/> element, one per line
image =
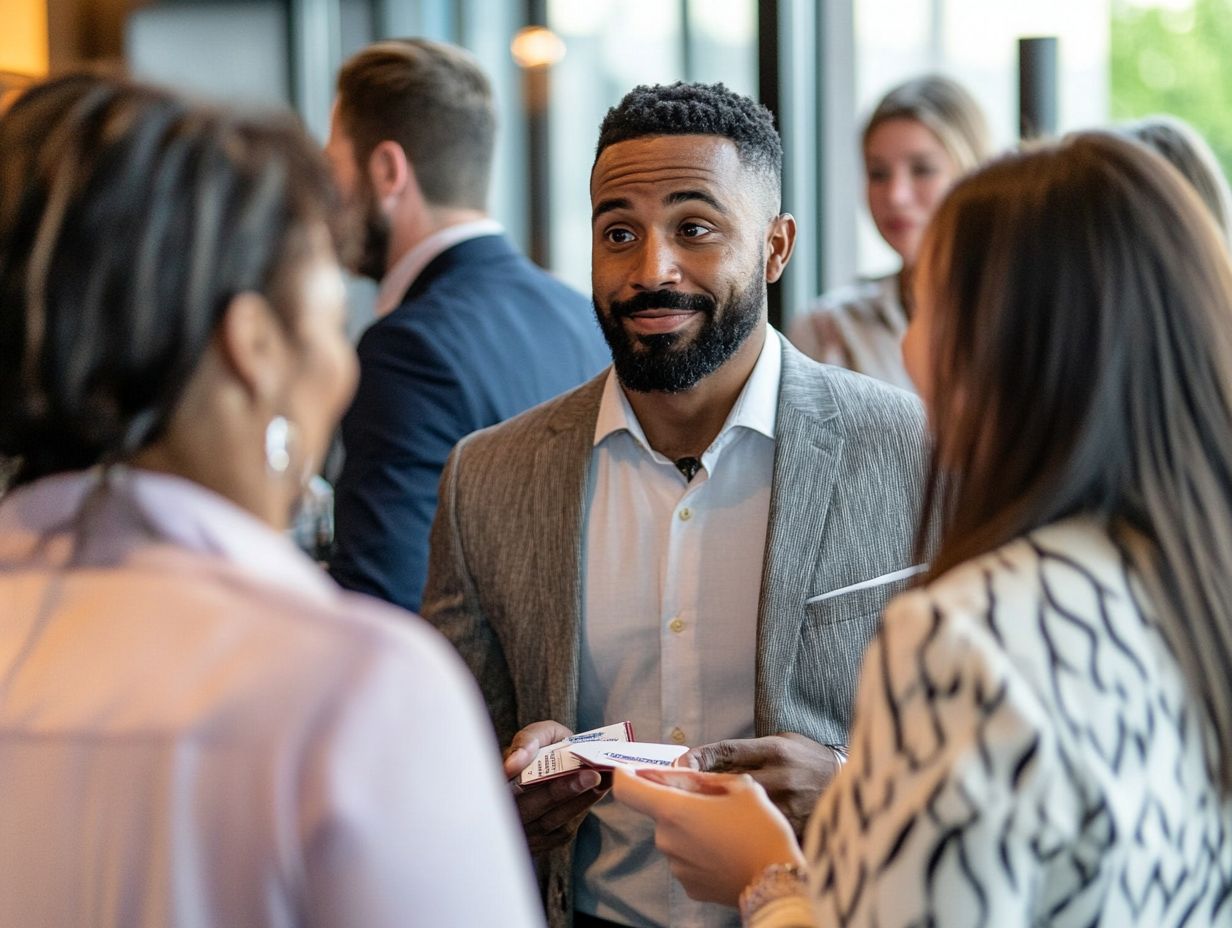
<point x="1024" y="752"/>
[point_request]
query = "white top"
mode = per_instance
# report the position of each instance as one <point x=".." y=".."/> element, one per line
<point x="398" y="279"/>
<point x="198" y="728"/>
<point x="673" y="572"/>
<point x="1025" y="751"/>
<point x="859" y="327"/>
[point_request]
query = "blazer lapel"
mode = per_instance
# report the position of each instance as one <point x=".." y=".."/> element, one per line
<point x="808" y="448"/>
<point x="562" y="462"/>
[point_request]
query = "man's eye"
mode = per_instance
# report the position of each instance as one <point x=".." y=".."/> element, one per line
<point x="619" y="236"/>
<point x="694" y="230"/>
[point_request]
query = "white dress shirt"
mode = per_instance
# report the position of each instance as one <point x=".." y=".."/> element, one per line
<point x="669" y="639"/>
<point x="198" y="728"/>
<point x="398" y="279"/>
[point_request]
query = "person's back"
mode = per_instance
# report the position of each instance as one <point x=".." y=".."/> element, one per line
<point x="200" y="728"/>
<point x="469" y="332"/>
<point x="1063" y="739"/>
<point x="197" y="727"/>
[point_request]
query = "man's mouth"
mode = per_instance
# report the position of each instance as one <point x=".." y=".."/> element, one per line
<point x="658" y="321"/>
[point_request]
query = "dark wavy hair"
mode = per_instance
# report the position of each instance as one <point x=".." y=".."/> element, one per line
<point x="1081" y="363"/>
<point x="129" y="219"/>
<point x="698" y="109"/>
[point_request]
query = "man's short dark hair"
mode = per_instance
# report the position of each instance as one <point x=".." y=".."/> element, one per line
<point x="434" y="100"/>
<point x="697" y="109"/>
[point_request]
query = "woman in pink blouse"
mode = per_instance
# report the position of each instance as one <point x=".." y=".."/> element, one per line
<point x="197" y="727"/>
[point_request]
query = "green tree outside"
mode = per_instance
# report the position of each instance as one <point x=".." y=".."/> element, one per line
<point x="1175" y="58"/>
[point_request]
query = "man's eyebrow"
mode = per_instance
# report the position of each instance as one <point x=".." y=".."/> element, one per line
<point x="684" y="196"/>
<point x="607" y="206"/>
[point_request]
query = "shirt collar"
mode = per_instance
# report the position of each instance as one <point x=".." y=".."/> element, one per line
<point x="398" y="279"/>
<point x="756" y="408"/>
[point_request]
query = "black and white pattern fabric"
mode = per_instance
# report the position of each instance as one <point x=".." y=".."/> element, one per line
<point x="1024" y="752"/>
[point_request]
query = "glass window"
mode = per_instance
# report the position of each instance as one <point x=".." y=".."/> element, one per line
<point x="612" y="46"/>
<point x="1172" y="56"/>
<point x="976" y="43"/>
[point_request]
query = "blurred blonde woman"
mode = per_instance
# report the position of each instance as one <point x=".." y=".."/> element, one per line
<point x="197" y="726"/>
<point x="921" y="137"/>
<point x="1043" y="730"/>
<point x="1188" y="152"/>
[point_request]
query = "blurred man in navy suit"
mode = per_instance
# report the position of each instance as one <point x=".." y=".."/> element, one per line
<point x="468" y="331"/>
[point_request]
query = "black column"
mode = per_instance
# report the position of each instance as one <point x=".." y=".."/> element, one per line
<point x="1037" y="87"/>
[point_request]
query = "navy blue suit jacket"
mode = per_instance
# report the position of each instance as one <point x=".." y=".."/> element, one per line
<point x="481" y="335"/>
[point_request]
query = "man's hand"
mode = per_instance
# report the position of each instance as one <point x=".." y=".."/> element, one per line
<point x="551" y="812"/>
<point x="792" y="769"/>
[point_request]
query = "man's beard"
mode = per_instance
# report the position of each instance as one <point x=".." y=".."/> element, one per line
<point x="648" y="363"/>
<point x="372" y="236"/>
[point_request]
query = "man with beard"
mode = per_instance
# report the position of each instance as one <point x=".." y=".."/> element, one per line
<point x="701" y="539"/>
<point x="468" y="332"/>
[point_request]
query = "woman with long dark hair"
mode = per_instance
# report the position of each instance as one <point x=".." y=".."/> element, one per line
<point x="197" y="727"/>
<point x="1043" y="733"/>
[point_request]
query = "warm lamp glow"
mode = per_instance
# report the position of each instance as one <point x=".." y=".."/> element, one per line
<point x="537" y="47"/>
<point x="23" y="37"/>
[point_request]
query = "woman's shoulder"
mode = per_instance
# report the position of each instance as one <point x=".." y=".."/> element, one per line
<point x="312" y="635"/>
<point x="867" y="298"/>
<point x="1056" y="561"/>
<point x="1060" y="599"/>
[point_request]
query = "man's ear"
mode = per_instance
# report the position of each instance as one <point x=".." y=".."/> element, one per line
<point x="390" y="172"/>
<point x="252" y="346"/>
<point x="780" y="241"/>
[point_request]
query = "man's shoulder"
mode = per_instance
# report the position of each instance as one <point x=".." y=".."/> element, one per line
<point x="856" y="401"/>
<point x="573" y="410"/>
<point x="487" y="266"/>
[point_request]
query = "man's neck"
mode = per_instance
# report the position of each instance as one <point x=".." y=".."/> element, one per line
<point x="416" y="229"/>
<point x="679" y="425"/>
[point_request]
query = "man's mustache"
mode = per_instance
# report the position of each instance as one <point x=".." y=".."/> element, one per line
<point x="661" y="299"/>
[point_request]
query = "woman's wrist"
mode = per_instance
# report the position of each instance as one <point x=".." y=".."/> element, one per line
<point x="781" y="890"/>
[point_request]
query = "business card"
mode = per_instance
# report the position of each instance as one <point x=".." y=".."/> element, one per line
<point x="636" y="754"/>
<point x="555" y="760"/>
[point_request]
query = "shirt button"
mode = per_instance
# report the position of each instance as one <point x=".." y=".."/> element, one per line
<point x="678" y="736"/>
<point x="686" y="514"/>
<point x="676" y="625"/>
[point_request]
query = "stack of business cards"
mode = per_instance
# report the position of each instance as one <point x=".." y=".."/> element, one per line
<point x="556" y="760"/>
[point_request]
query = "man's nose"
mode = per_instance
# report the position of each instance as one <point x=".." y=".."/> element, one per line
<point x="657" y="266"/>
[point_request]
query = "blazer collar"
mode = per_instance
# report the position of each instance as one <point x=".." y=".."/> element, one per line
<point x="807" y="457"/>
<point x="482" y="250"/>
<point x="562" y="459"/>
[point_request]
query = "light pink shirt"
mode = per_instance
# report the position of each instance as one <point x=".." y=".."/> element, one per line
<point x="198" y="728"/>
<point x="672" y="583"/>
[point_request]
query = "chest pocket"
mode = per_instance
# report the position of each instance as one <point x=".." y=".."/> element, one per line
<point x="855" y="604"/>
<point x="833" y="638"/>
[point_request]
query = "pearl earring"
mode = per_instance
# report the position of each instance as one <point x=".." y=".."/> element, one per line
<point x="279" y="435"/>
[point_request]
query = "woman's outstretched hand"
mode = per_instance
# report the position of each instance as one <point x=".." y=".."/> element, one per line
<point x="718" y="830"/>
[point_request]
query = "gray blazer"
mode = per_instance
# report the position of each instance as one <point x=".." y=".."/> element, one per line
<point x="505" y="568"/>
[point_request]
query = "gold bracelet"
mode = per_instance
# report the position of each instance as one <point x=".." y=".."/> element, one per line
<point x="777" y="881"/>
